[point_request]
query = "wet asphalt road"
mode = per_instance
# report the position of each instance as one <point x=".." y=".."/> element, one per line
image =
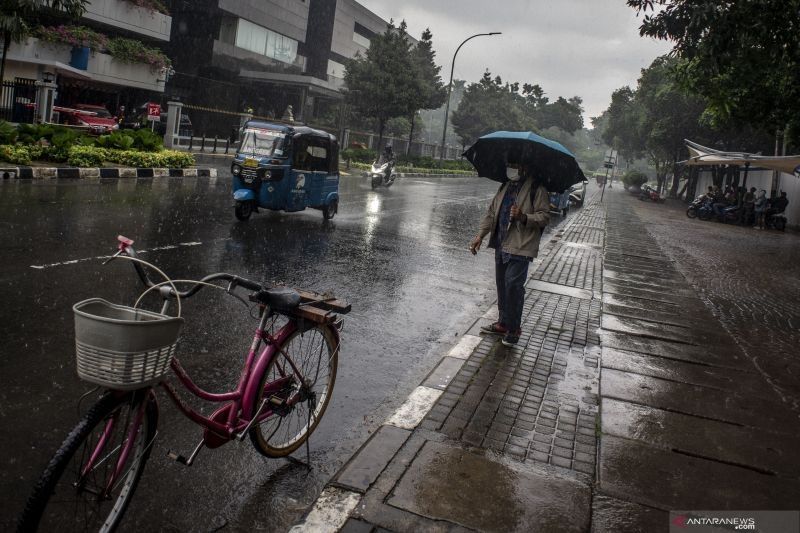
<point x="399" y="256"/>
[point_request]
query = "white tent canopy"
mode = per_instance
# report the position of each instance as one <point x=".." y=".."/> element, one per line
<point x="701" y="155"/>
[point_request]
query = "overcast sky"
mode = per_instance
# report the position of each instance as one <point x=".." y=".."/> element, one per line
<point x="587" y="48"/>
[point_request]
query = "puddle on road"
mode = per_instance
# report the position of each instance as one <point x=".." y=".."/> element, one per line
<point x="477" y="492"/>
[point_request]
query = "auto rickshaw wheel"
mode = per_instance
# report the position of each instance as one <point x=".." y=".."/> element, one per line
<point x="244" y="210"/>
<point x="330" y="210"/>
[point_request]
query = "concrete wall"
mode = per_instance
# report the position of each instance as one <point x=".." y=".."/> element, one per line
<point x="126" y="16"/>
<point x="287" y="17"/>
<point x="762" y="179"/>
<point x="349" y="12"/>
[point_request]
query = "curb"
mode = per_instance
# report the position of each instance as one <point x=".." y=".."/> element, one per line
<point x="340" y="497"/>
<point x="96" y="173"/>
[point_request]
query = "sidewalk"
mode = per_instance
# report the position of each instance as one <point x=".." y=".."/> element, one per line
<point x="579" y="428"/>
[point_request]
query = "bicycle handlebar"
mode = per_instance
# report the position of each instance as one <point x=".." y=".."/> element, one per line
<point x="125" y="246"/>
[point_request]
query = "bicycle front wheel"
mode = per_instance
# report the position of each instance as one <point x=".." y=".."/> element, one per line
<point x="315" y="354"/>
<point x="91" y="479"/>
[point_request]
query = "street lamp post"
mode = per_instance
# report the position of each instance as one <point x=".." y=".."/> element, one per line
<point x="450" y="86"/>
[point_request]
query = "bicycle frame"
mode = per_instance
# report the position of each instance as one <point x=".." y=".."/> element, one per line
<point x="233" y="419"/>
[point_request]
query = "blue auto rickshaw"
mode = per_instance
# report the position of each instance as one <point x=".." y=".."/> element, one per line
<point x="285" y="168"/>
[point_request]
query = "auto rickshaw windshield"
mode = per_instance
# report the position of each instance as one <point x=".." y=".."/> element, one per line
<point x="263" y="143"/>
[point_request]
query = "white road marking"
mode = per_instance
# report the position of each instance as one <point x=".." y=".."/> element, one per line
<point x="330" y="511"/>
<point x="103" y="257"/>
<point x="465" y="346"/>
<point x="411" y="413"/>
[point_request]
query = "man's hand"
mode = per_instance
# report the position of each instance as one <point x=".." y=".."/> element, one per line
<point x="517" y="214"/>
<point x="475" y="245"/>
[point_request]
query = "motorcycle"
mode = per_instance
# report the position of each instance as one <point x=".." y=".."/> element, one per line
<point x="696" y="205"/>
<point x="649" y="193"/>
<point x="382" y="173"/>
<point x="776" y="221"/>
<point x="577" y="193"/>
<point x="729" y="215"/>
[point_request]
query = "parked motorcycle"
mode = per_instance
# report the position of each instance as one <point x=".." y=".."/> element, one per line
<point x="649" y="193"/>
<point x="729" y="215"/>
<point x="382" y="173"/>
<point x="697" y="204"/>
<point x="577" y="193"/>
<point x="776" y="221"/>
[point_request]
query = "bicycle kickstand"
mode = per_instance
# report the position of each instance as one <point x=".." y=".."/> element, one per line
<point x="183" y="460"/>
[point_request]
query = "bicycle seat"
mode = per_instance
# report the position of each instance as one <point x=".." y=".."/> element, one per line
<point x="279" y="298"/>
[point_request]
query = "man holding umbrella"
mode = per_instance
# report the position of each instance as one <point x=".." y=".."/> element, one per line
<point x="514" y="220"/>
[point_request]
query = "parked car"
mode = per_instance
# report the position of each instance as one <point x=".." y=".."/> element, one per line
<point x="95" y="117"/>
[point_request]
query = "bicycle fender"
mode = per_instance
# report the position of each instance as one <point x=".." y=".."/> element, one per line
<point x="251" y="389"/>
<point x="242" y="195"/>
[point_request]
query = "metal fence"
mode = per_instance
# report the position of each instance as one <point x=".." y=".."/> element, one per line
<point x="400" y="145"/>
<point x="16" y="99"/>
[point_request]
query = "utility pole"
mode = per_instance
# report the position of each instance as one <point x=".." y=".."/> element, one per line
<point x="450" y="87"/>
<point x="609" y="162"/>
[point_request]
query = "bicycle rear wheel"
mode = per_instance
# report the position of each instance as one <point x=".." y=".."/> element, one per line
<point x="315" y="354"/>
<point x="73" y="493"/>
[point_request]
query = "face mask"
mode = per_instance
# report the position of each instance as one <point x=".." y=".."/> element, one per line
<point x="512" y="173"/>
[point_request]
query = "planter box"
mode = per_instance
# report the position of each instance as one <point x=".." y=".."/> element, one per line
<point x="101" y="67"/>
<point x="126" y="16"/>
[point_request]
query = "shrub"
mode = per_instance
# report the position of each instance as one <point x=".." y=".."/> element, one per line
<point x="16" y="154"/>
<point x="634" y="178"/>
<point x="8" y="133"/>
<point x="147" y="141"/>
<point x="117" y="140"/>
<point x="80" y="36"/>
<point x="86" y="156"/>
<point x="133" y="51"/>
<point x="163" y="159"/>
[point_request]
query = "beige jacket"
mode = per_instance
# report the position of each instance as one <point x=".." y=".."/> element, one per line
<point x="523" y="237"/>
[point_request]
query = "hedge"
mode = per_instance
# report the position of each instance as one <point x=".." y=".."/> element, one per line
<point x="93" y="156"/>
<point x="419" y="170"/>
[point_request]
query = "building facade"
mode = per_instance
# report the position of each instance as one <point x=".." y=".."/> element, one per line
<point x="262" y="56"/>
<point x="100" y="74"/>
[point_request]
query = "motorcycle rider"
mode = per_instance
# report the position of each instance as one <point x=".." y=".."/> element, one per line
<point x="387" y="157"/>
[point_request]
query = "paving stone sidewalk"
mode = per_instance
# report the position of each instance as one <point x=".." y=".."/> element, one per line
<point x="619" y="404"/>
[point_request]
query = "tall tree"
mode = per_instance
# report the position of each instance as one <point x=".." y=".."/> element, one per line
<point x="655" y="119"/>
<point x="431" y="92"/>
<point x="623" y="125"/>
<point x="382" y="84"/>
<point x="563" y="114"/>
<point x="742" y="57"/>
<point x="18" y="16"/>
<point x="487" y="106"/>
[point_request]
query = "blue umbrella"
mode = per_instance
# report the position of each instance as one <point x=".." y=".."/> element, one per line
<point x="552" y="165"/>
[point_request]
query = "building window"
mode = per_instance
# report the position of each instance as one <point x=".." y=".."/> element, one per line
<point x="335" y="69"/>
<point x="362" y="35"/>
<point x="360" y="39"/>
<point x="266" y="42"/>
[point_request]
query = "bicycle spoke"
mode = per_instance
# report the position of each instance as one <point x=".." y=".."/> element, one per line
<point x="310" y="359"/>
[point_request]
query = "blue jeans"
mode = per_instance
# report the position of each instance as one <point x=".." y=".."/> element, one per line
<point x="510" y="278"/>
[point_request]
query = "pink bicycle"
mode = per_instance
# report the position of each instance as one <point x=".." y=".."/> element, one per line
<point x="284" y="388"/>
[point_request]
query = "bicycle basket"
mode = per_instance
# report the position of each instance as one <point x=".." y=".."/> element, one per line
<point x="120" y="347"/>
